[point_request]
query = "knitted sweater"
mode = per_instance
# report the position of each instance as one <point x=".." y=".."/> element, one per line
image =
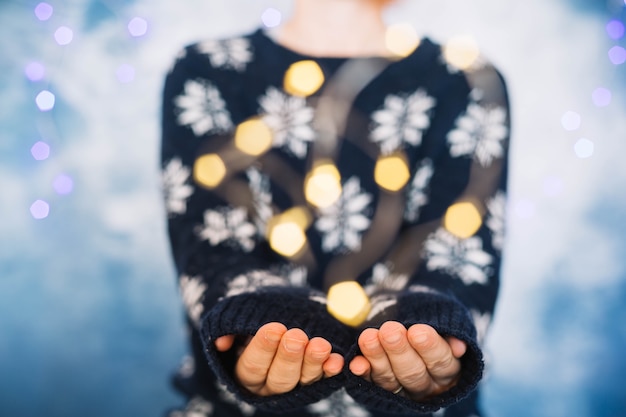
<point x="423" y="237"/>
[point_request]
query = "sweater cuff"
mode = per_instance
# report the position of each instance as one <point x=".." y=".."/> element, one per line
<point x="244" y="314"/>
<point x="450" y="318"/>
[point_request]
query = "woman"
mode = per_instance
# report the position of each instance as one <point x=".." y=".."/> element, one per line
<point x="413" y="149"/>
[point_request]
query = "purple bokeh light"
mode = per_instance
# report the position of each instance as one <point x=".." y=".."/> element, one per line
<point x="617" y="55"/>
<point x="271" y="17"/>
<point x="601" y="97"/>
<point x="137" y="27"/>
<point x="35" y="71"/>
<point x="40" y="209"/>
<point x="40" y="151"/>
<point x="63" y="184"/>
<point x="125" y="73"/>
<point x="64" y="35"/>
<point x="43" y="11"/>
<point x="615" y="29"/>
<point x="45" y="100"/>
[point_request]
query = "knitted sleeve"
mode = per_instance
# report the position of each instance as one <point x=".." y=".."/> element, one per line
<point x="231" y="281"/>
<point x="444" y="268"/>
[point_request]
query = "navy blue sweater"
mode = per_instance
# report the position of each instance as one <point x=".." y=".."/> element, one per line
<point x="426" y="249"/>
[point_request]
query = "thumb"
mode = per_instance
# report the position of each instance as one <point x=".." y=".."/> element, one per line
<point x="224" y="343"/>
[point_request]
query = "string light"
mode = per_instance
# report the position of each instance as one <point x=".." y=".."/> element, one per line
<point x="43" y="11"/>
<point x="401" y="39"/>
<point x="348" y="303"/>
<point x="64" y="35"/>
<point x="461" y="52"/>
<point x="303" y="78"/>
<point x="392" y="172"/>
<point x="40" y="209"/>
<point x="45" y="100"/>
<point x="253" y="137"/>
<point x="40" y="151"/>
<point x="137" y="27"/>
<point x="615" y="29"/>
<point x="463" y="219"/>
<point x="286" y="232"/>
<point x="209" y="170"/>
<point x="322" y="186"/>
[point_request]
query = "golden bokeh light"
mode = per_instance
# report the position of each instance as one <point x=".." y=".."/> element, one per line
<point x="348" y="303"/>
<point x="461" y="52"/>
<point x="392" y="172"/>
<point x="463" y="219"/>
<point x="303" y="78"/>
<point x="401" y="39"/>
<point x="286" y="232"/>
<point x="253" y="137"/>
<point x="209" y="170"/>
<point x="322" y="186"/>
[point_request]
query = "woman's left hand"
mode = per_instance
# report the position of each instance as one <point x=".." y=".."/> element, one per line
<point x="417" y="362"/>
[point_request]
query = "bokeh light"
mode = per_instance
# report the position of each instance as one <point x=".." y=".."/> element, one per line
<point x="64" y="35"/>
<point x="322" y="186"/>
<point x="209" y="170"/>
<point x="40" y="209"/>
<point x="43" y="11"/>
<point x="303" y="78"/>
<point x="392" y="172"/>
<point x="571" y="120"/>
<point x="463" y="219"/>
<point x="253" y="137"/>
<point x="461" y="52"/>
<point x="271" y="17"/>
<point x="584" y="148"/>
<point x="63" y="184"/>
<point x="601" y="97"/>
<point x="45" y="100"/>
<point x="137" y="27"/>
<point x="125" y="73"/>
<point x="617" y="55"/>
<point x="615" y="29"/>
<point x="401" y="39"/>
<point x="40" y="151"/>
<point x="348" y="303"/>
<point x="35" y="71"/>
<point x="286" y="232"/>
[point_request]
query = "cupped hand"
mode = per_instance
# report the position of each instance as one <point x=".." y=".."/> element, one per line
<point x="417" y="362"/>
<point x="277" y="359"/>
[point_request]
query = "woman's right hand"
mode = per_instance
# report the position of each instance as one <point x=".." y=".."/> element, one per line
<point x="276" y="360"/>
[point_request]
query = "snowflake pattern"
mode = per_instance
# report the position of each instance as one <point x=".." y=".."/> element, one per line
<point x="343" y="223"/>
<point x="418" y="191"/>
<point x="402" y="120"/>
<point x="196" y="407"/>
<point x="380" y="303"/>
<point x="202" y="107"/>
<point x="481" y="322"/>
<point x="252" y="281"/>
<point x="192" y="291"/>
<point x="261" y="197"/>
<point x="233" y="53"/>
<point x="496" y="208"/>
<point x="228" y="225"/>
<point x="339" y="404"/>
<point x="290" y="119"/>
<point x="383" y="279"/>
<point x="481" y="132"/>
<point x="463" y="258"/>
<point x="176" y="189"/>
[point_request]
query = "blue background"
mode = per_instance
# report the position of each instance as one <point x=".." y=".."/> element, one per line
<point x="90" y="321"/>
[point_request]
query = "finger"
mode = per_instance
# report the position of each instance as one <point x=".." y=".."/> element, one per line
<point x="333" y="365"/>
<point x="284" y="373"/>
<point x="407" y="365"/>
<point x="381" y="373"/>
<point x="458" y="346"/>
<point x="316" y="353"/>
<point x="360" y="366"/>
<point x="255" y="361"/>
<point x="436" y="354"/>
<point x="224" y="343"/>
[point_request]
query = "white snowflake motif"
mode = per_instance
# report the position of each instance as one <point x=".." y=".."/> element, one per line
<point x="339" y="404"/>
<point x="290" y="119"/>
<point x="262" y="198"/>
<point x="380" y="303"/>
<point x="192" y="291"/>
<point x="463" y="258"/>
<point x="228" y="225"/>
<point x="418" y="191"/>
<point x="496" y="219"/>
<point x="252" y="281"/>
<point x="481" y="132"/>
<point x="383" y="280"/>
<point x="297" y="276"/>
<point x="232" y="53"/>
<point x="230" y="398"/>
<point x="176" y="190"/>
<point x="343" y="223"/>
<point x="202" y="107"/>
<point x="402" y="120"/>
<point x="196" y="407"/>
<point x="481" y="322"/>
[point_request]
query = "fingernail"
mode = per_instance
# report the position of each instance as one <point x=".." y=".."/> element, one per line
<point x="394" y="337"/>
<point x="272" y="336"/>
<point x="294" y="345"/>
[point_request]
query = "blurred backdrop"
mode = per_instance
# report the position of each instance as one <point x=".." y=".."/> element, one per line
<point x="90" y="321"/>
